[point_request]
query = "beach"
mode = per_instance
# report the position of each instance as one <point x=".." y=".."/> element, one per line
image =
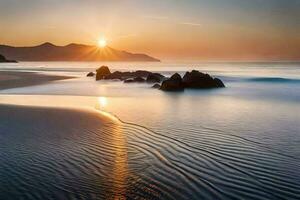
<point x="11" y="79"/>
<point x="77" y="138"/>
<point x="58" y="152"/>
<point x="56" y="147"/>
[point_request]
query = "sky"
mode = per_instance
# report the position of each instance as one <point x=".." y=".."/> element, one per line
<point x="167" y="29"/>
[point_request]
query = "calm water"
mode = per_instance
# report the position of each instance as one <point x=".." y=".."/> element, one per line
<point x="240" y="142"/>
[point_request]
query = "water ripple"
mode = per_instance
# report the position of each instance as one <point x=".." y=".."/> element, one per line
<point x="85" y="155"/>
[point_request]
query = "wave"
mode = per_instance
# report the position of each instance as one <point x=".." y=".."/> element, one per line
<point x="274" y="80"/>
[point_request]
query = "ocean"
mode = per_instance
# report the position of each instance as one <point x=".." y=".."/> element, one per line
<point x="238" y="142"/>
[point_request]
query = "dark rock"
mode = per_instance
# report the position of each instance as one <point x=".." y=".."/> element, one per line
<point x="114" y="75"/>
<point x="4" y="60"/>
<point x="219" y="82"/>
<point x="135" y="80"/>
<point x="128" y="80"/>
<point x="141" y="73"/>
<point x="90" y="74"/>
<point x="196" y="79"/>
<point x="157" y="86"/>
<point x="176" y="77"/>
<point x="102" y="72"/>
<point x="154" y="78"/>
<point x="173" y="84"/>
<point x="139" y="79"/>
<point x="127" y="75"/>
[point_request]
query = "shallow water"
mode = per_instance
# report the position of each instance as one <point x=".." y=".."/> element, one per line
<point x="241" y="142"/>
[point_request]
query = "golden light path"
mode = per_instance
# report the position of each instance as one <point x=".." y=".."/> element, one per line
<point x="120" y="168"/>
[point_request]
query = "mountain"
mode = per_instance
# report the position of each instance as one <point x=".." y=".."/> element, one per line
<point x="71" y="52"/>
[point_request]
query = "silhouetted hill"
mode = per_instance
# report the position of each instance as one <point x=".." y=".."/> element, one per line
<point x="71" y="52"/>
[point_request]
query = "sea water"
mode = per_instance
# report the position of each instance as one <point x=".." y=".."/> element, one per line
<point x="238" y="142"/>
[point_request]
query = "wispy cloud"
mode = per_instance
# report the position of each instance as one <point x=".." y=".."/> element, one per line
<point x="166" y="19"/>
<point x="155" y="17"/>
<point x="190" y="24"/>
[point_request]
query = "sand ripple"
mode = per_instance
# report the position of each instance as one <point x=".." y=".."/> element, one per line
<point x="69" y="154"/>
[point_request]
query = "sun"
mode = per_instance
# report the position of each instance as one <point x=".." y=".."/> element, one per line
<point x="102" y="43"/>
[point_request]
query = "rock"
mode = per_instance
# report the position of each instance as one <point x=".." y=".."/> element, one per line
<point x="90" y="74"/>
<point x="173" y="84"/>
<point x="128" y="80"/>
<point x="114" y="75"/>
<point x="129" y="75"/>
<point x="219" y="82"/>
<point x="196" y="79"/>
<point x="139" y="79"/>
<point x="135" y="80"/>
<point x="141" y="73"/>
<point x="154" y="78"/>
<point x="157" y="86"/>
<point x="175" y="77"/>
<point x="4" y="60"/>
<point x="102" y="72"/>
<point x="193" y="79"/>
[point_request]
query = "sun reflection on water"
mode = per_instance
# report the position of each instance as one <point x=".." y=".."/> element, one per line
<point x="120" y="168"/>
<point x="102" y="101"/>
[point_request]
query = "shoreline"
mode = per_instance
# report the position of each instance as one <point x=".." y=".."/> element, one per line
<point x="11" y="79"/>
<point x="62" y="154"/>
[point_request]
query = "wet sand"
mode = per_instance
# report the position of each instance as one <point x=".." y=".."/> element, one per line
<point x="50" y="152"/>
<point x="9" y="79"/>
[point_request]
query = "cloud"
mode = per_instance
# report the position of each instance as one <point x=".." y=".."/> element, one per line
<point x="190" y="24"/>
<point x="168" y="20"/>
<point x="155" y="17"/>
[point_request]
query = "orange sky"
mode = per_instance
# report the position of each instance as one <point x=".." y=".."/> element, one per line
<point x="193" y="29"/>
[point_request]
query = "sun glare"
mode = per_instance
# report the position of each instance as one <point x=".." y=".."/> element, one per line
<point x="102" y="102"/>
<point x="102" y="43"/>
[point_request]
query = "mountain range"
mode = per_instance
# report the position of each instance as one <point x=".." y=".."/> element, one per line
<point x="71" y="52"/>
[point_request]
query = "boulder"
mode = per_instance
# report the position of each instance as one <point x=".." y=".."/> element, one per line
<point x="135" y="80"/>
<point x="154" y="78"/>
<point x="4" y="60"/>
<point x="114" y="75"/>
<point x="139" y="79"/>
<point x="102" y="72"/>
<point x="90" y="74"/>
<point x="130" y="80"/>
<point x="127" y="75"/>
<point x="156" y="86"/>
<point x="199" y="80"/>
<point x="219" y="83"/>
<point x="141" y="73"/>
<point x="173" y="84"/>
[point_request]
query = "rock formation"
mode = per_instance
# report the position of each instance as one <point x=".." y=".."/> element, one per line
<point x="102" y="72"/>
<point x="4" y="60"/>
<point x="193" y="79"/>
<point x="174" y="83"/>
